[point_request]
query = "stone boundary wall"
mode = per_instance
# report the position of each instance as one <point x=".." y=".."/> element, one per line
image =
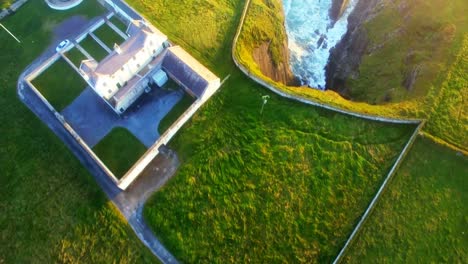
<point x="372" y="204"/>
<point x="395" y="166"/>
<point x="71" y="130"/>
<point x="12" y="9"/>
<point x="153" y="151"/>
<point x="63" y="5"/>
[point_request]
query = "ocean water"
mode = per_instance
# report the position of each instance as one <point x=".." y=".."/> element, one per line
<point x="311" y="35"/>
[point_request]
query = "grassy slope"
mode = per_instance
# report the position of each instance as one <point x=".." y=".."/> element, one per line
<point x="449" y="118"/>
<point x="200" y="29"/>
<point x="236" y="190"/>
<point x="5" y="3"/>
<point x="422" y="34"/>
<point x="119" y="150"/>
<point x="259" y="31"/>
<point x="264" y="22"/>
<point x="60" y="84"/>
<point x="422" y="216"/>
<point x="51" y="208"/>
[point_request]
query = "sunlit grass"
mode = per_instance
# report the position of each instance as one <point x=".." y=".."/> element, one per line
<point x="288" y="185"/>
<point x="449" y="117"/>
<point x="285" y="185"/>
<point x="425" y="35"/>
<point x="422" y="216"/>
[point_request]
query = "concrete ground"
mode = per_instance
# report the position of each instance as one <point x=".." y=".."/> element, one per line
<point x="71" y="27"/>
<point x="93" y="119"/>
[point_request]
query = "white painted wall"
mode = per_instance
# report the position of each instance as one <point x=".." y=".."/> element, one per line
<point x="132" y="96"/>
<point x="106" y="85"/>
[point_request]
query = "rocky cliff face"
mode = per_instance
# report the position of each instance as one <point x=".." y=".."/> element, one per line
<point x="270" y="50"/>
<point x="346" y="56"/>
<point x="337" y="9"/>
<point x="279" y="72"/>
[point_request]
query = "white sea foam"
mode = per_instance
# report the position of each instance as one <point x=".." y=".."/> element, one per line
<point x="311" y="35"/>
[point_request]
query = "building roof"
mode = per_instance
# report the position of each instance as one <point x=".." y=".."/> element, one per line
<point x="139" y="33"/>
<point x="187" y="70"/>
<point x="115" y="60"/>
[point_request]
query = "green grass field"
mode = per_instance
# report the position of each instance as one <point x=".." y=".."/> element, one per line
<point x="422" y="216"/>
<point x="449" y="117"/>
<point x="175" y="113"/>
<point x="197" y="25"/>
<point x="75" y="56"/>
<point x="288" y="185"/>
<point x="107" y="35"/>
<point x="60" y="84"/>
<point x="52" y="210"/>
<point x="94" y="49"/>
<point x="5" y="3"/>
<point x="285" y="186"/>
<point x="119" y="150"/>
<point x="119" y="23"/>
<point x="428" y="38"/>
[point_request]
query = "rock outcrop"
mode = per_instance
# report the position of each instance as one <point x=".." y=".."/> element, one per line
<point x="346" y="56"/>
<point x="337" y="9"/>
<point x="279" y="72"/>
<point x="270" y="49"/>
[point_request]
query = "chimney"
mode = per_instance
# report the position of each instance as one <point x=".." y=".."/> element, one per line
<point x="117" y="49"/>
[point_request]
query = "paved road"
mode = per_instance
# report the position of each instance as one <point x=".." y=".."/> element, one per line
<point x="130" y="202"/>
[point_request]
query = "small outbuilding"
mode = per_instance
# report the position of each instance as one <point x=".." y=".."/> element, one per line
<point x="160" y="78"/>
<point x="185" y="70"/>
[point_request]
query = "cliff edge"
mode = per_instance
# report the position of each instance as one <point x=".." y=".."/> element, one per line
<point x="337" y="9"/>
<point x="396" y="50"/>
<point x="346" y="56"/>
<point x="264" y="43"/>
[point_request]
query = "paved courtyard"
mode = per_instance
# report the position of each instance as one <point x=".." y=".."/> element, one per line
<point x="92" y="119"/>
